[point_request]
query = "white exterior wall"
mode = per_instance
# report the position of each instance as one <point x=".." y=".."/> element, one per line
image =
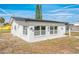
<point x="30" y="37"/>
<point x="19" y="31"/>
<point x="61" y="30"/>
<point x="33" y="38"/>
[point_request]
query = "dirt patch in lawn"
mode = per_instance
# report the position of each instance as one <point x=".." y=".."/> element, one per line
<point x="75" y="33"/>
<point x="62" y="45"/>
<point x="11" y="44"/>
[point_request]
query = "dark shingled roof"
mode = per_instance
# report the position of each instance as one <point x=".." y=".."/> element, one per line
<point x="28" y="19"/>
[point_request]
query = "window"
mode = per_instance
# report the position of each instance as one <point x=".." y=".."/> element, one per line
<point x="39" y="30"/>
<point x="43" y="30"/>
<point x="55" y="31"/>
<point x="51" y="29"/>
<point x="25" y="30"/>
<point x="37" y="27"/>
<point x="55" y="27"/>
<point x="15" y="27"/>
<point x="42" y="27"/>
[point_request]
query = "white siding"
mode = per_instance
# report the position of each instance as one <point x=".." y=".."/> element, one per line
<point x="33" y="38"/>
<point x="61" y="30"/>
<point x="19" y="31"/>
<point x="30" y="37"/>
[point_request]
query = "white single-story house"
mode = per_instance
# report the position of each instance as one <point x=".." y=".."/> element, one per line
<point x="32" y="30"/>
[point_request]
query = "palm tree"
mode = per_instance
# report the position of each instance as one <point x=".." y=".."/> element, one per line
<point x="38" y="15"/>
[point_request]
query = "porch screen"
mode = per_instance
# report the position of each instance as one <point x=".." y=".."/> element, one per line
<point x="25" y="30"/>
<point x="53" y="29"/>
<point x="39" y="30"/>
<point x="43" y="30"/>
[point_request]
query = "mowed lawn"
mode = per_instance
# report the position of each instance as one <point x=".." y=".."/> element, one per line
<point x="11" y="44"/>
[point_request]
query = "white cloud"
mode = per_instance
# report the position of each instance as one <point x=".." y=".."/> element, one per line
<point x="57" y="10"/>
<point x="22" y="13"/>
<point x="66" y="17"/>
<point x="17" y="13"/>
<point x="59" y="14"/>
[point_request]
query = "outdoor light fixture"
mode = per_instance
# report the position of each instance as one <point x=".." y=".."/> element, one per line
<point x="62" y="28"/>
<point x="31" y="28"/>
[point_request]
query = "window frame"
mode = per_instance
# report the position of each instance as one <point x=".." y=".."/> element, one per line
<point x="51" y="30"/>
<point x="43" y="31"/>
<point x="15" y="27"/>
<point x="36" y="31"/>
<point x="25" y="30"/>
<point x="54" y="30"/>
<point x="40" y="31"/>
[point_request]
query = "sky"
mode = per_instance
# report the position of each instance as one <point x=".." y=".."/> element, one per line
<point x="55" y="12"/>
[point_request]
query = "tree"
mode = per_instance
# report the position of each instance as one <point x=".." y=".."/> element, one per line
<point x="6" y="24"/>
<point x="2" y="20"/>
<point x="38" y="15"/>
